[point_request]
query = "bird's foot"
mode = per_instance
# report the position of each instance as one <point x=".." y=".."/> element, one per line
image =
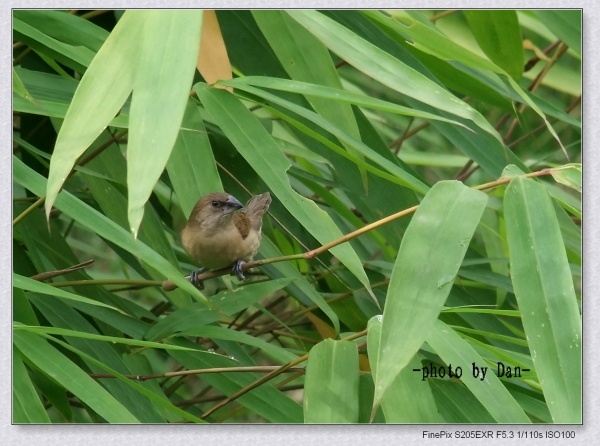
<point x="194" y="278"/>
<point x="237" y="270"/>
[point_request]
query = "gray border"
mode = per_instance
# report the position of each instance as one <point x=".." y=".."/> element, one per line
<point x="267" y="435"/>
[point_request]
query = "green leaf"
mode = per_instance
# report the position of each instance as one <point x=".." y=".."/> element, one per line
<point x="385" y="68"/>
<point x="331" y="383"/>
<point x="96" y="337"/>
<point x="422" y="278"/>
<point x="400" y="176"/>
<point x="167" y="54"/>
<point x="138" y="55"/>
<point x="565" y="24"/>
<point x="22" y="310"/>
<point x="19" y="87"/>
<point x="334" y="94"/>
<point x="457" y="404"/>
<point x="192" y="162"/>
<point x="427" y="38"/>
<point x="101" y="93"/>
<point x="306" y="59"/>
<point x="60" y="368"/>
<point x="53" y="95"/>
<point x="489" y="390"/>
<point x="111" y="197"/>
<point x="27" y="407"/>
<point x="568" y="175"/>
<point x="74" y="56"/>
<point x="494" y="247"/>
<point x="545" y="295"/>
<point x="28" y="284"/>
<point x="409" y="398"/>
<point x="150" y="390"/>
<point x="498" y="34"/>
<point x="483" y="148"/>
<point x="65" y="27"/>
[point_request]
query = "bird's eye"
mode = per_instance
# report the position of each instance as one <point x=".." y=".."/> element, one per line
<point x="215" y="203"/>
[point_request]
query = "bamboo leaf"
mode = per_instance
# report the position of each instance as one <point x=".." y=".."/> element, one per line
<point x="167" y="52"/>
<point x="335" y="94"/>
<point x="545" y="295"/>
<point x="385" y="68"/>
<point x="428" y="38"/>
<point x="102" y="91"/>
<point x="306" y="59"/>
<point x="421" y="279"/>
<point x="192" y="161"/>
<point x="61" y="369"/>
<point x="400" y="176"/>
<point x="489" y="390"/>
<point x="95" y="337"/>
<point x="499" y="36"/>
<point x="569" y="175"/>
<point x="565" y="24"/>
<point x="27" y="407"/>
<point x="409" y="398"/>
<point x="331" y="384"/>
<point x="28" y="284"/>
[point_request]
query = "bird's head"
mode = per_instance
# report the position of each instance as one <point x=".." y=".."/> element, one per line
<point x="215" y="209"/>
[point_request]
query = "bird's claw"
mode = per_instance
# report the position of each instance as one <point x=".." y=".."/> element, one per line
<point x="237" y="270"/>
<point x="194" y="278"/>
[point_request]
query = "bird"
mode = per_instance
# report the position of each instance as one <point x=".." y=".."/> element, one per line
<point x="221" y="232"/>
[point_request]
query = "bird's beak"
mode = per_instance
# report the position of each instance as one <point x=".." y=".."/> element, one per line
<point x="232" y="204"/>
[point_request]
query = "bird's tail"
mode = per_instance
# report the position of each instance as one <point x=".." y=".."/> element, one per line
<point x="256" y="207"/>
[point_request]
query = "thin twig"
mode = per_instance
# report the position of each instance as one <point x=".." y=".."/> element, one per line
<point x="269" y="377"/>
<point x="252" y="369"/>
<point x="535" y="59"/>
<point x="562" y="49"/>
<point x="436" y="17"/>
<point x="50" y="274"/>
<point x="167" y="285"/>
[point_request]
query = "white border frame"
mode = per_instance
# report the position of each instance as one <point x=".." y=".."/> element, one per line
<point x="267" y="435"/>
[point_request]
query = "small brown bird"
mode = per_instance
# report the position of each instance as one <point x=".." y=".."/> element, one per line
<point x="222" y="232"/>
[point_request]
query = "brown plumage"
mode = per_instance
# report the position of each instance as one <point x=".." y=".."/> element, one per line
<point x="220" y="233"/>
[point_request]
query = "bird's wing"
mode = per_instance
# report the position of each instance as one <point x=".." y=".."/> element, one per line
<point x="256" y="207"/>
